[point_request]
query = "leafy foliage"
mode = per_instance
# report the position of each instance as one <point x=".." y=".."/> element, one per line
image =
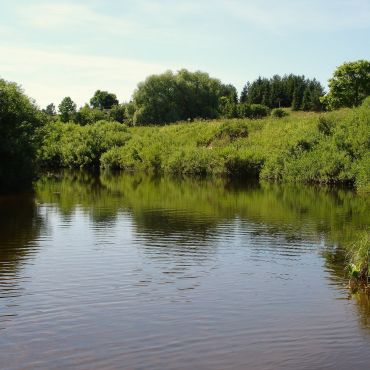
<point x="50" y="110"/>
<point x="103" y="100"/>
<point x="279" y="113"/>
<point x="88" y="116"/>
<point x="19" y="123"/>
<point x="291" y="90"/>
<point x="67" y="109"/>
<point x="253" y="111"/>
<point x="75" y="146"/>
<point x="173" y="97"/>
<point x="304" y="147"/>
<point x="349" y="86"/>
<point x="118" y="113"/>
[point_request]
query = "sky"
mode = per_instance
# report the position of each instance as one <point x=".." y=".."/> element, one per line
<point x="63" y="48"/>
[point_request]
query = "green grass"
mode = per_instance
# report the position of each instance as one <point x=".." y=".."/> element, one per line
<point x="326" y="148"/>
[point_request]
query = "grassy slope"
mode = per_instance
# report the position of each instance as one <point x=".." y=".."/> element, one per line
<point x="303" y="147"/>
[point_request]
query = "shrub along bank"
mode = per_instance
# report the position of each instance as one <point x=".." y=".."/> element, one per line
<point x="330" y="148"/>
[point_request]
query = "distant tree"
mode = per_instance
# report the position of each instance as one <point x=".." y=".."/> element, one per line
<point x="297" y="100"/>
<point x="259" y="92"/>
<point x="130" y="112"/>
<point x="118" y="113"/>
<point x="299" y="84"/>
<point x="253" y="111"/>
<point x="103" y="100"/>
<point x="306" y="100"/>
<point x="67" y="109"/>
<point x="197" y="94"/>
<point x="227" y="107"/>
<point x="88" y="116"/>
<point x="230" y="92"/>
<point x="276" y="91"/>
<point x="286" y="91"/>
<point x="311" y="96"/>
<point x="50" y="110"/>
<point x="156" y="99"/>
<point x="279" y="113"/>
<point x="171" y="97"/>
<point x="349" y="86"/>
<point x="20" y="121"/>
<point x="244" y="93"/>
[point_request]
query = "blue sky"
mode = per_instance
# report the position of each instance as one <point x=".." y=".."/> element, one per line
<point x="59" y="48"/>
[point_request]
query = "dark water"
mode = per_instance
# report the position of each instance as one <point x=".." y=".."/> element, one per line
<point x="132" y="272"/>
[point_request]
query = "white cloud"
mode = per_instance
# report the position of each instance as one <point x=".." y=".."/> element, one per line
<point x="153" y="18"/>
<point x="49" y="76"/>
<point x="195" y="32"/>
<point x="67" y="16"/>
<point x="301" y="14"/>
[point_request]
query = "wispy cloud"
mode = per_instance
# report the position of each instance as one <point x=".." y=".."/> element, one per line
<point x="142" y="20"/>
<point x="64" y="15"/>
<point x="50" y="75"/>
<point x="74" y="47"/>
<point x="301" y="14"/>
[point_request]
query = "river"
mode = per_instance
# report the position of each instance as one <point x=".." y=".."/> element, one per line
<point x="139" y="272"/>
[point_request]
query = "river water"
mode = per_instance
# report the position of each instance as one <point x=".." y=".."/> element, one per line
<point x="137" y="272"/>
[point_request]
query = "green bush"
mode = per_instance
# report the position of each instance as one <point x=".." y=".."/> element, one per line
<point x="325" y="126"/>
<point x="19" y="123"/>
<point x="171" y="97"/>
<point x="194" y="161"/>
<point x="305" y="147"/>
<point x="232" y="130"/>
<point x="335" y="151"/>
<point x="253" y="111"/>
<point x="74" y="146"/>
<point x="88" y="116"/>
<point x="279" y="113"/>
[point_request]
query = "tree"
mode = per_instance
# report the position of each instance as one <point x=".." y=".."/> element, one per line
<point x="299" y="84"/>
<point x="228" y="107"/>
<point x="50" y="110"/>
<point x="171" y="97"/>
<point x="118" y="113"/>
<point x="67" y="109"/>
<point x="349" y="86"/>
<point x="88" y="116"/>
<point x="155" y="100"/>
<point x="20" y="121"/>
<point x="276" y="91"/>
<point x="286" y="91"/>
<point x="306" y="100"/>
<point x="244" y="93"/>
<point x="103" y="100"/>
<point x="311" y="96"/>
<point x="229" y="91"/>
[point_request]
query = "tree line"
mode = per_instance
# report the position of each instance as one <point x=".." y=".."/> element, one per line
<point x="293" y="91"/>
<point x="185" y="95"/>
<point x="171" y="97"/>
<point x="165" y="98"/>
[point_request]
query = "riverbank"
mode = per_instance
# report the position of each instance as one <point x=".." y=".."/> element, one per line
<point x="325" y="148"/>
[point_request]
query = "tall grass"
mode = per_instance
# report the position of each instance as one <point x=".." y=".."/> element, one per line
<point x="328" y="148"/>
<point x="73" y="146"/>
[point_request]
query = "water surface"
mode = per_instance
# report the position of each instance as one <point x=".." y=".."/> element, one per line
<point x="135" y="272"/>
